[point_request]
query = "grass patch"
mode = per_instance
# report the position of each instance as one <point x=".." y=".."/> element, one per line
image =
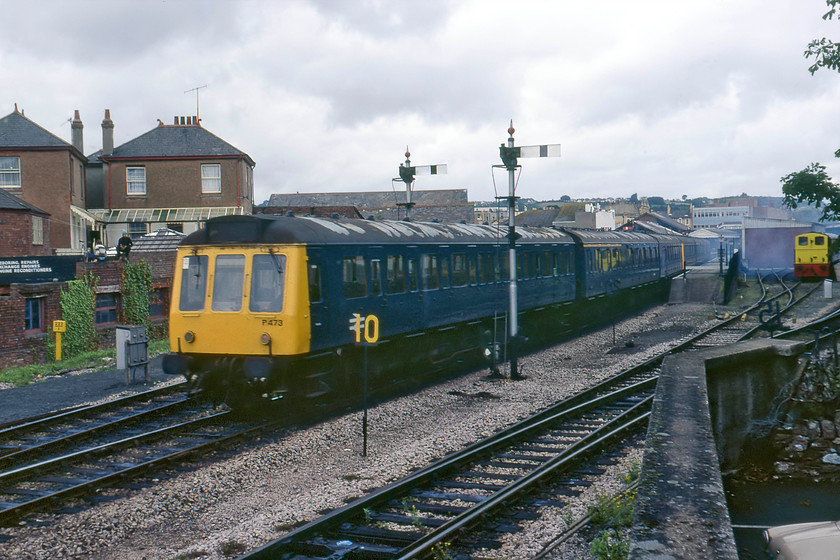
<point x="95" y="360"/>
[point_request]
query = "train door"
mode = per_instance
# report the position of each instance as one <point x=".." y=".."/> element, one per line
<point x="319" y="311"/>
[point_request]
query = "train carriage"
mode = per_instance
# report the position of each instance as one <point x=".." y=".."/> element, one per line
<point x="272" y="306"/>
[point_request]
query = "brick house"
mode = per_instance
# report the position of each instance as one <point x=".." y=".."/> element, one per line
<point x="174" y="176"/>
<point x="45" y="171"/>
<point x="24" y="229"/>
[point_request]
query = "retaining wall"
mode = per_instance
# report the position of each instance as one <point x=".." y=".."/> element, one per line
<point x="681" y="510"/>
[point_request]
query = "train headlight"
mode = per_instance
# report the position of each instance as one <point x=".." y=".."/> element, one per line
<point x="265" y="338"/>
<point x="189" y="336"/>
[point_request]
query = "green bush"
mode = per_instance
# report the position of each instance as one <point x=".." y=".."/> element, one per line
<point x="77" y="309"/>
<point x="136" y="287"/>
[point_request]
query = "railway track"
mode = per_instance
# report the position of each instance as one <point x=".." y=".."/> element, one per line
<point x="46" y="460"/>
<point x="458" y="506"/>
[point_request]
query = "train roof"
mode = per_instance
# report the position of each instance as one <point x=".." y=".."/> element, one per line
<point x="598" y="237"/>
<point x="271" y="229"/>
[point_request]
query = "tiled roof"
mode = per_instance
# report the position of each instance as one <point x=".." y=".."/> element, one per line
<point x="177" y="141"/>
<point x="371" y="199"/>
<point x="161" y="240"/>
<point x="9" y="201"/>
<point x="17" y="131"/>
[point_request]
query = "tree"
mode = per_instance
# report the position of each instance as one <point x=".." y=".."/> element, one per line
<point x="826" y="53"/>
<point x="812" y="184"/>
<point x="565" y="198"/>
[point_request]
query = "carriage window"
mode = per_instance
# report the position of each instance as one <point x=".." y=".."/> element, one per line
<point x="459" y="270"/>
<point x="473" y="269"/>
<point x="228" y="279"/>
<point x="353" y="273"/>
<point x="395" y="274"/>
<point x="803" y="240"/>
<point x="485" y="268"/>
<point x="375" y="277"/>
<point x="548" y="262"/>
<point x="412" y="275"/>
<point x="444" y="272"/>
<point x="819" y="241"/>
<point x="193" y="283"/>
<point x="429" y="272"/>
<point x="314" y="282"/>
<point x="267" y="279"/>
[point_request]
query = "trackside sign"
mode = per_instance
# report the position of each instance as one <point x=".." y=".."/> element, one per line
<point x="31" y="270"/>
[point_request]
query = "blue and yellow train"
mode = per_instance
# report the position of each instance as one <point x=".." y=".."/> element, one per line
<point x="272" y="306"/>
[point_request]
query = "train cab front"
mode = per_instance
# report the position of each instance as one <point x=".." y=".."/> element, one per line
<point x="237" y="316"/>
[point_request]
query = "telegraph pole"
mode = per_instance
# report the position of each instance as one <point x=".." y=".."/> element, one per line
<point x="407" y="173"/>
<point x="510" y="155"/>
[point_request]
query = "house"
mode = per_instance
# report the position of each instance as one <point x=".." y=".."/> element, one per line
<point x="174" y="176"/>
<point x="24" y="229"/>
<point x="47" y="173"/>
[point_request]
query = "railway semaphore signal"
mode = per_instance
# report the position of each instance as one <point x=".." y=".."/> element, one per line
<point x="510" y="155"/>
<point x="407" y="173"/>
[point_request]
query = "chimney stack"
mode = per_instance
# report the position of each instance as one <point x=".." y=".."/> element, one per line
<point x="76" y="137"/>
<point x="107" y="134"/>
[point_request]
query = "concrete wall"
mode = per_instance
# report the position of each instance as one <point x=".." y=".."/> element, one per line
<point x="681" y="510"/>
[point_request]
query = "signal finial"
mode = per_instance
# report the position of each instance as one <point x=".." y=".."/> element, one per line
<point x="407" y="153"/>
<point x="511" y="130"/>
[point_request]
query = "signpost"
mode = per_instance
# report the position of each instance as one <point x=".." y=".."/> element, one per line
<point x="58" y="328"/>
<point x="367" y="334"/>
<point x="510" y="155"/>
<point x="407" y="173"/>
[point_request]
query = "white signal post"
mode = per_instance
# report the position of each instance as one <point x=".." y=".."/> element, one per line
<point x="509" y="155"/>
<point x="407" y="173"/>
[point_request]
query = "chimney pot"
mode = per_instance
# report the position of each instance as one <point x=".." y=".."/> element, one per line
<point x="107" y="134"/>
<point x="76" y="136"/>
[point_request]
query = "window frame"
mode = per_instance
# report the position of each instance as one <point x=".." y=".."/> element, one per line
<point x="111" y="309"/>
<point x="28" y="327"/>
<point x="37" y="230"/>
<point x="10" y="172"/>
<point x="133" y="186"/>
<point x="208" y="181"/>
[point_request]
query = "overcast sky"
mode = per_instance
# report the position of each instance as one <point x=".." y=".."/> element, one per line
<point x="659" y="98"/>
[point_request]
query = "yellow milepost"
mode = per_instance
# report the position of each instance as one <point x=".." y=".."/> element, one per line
<point x="58" y="328"/>
<point x="370" y="328"/>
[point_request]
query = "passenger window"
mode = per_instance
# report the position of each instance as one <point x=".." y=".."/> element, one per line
<point x="353" y="274"/>
<point x="412" y="275"/>
<point x="473" y="269"/>
<point x="548" y="263"/>
<point x="193" y="283"/>
<point x="395" y="274"/>
<point x="429" y="272"/>
<point x="459" y="270"/>
<point x="314" y="282"/>
<point x="444" y="272"/>
<point x="375" y="277"/>
<point x="267" y="280"/>
<point x="228" y="281"/>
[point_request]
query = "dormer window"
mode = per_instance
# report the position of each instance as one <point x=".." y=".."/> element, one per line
<point x="10" y="172"/>
<point x="211" y="178"/>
